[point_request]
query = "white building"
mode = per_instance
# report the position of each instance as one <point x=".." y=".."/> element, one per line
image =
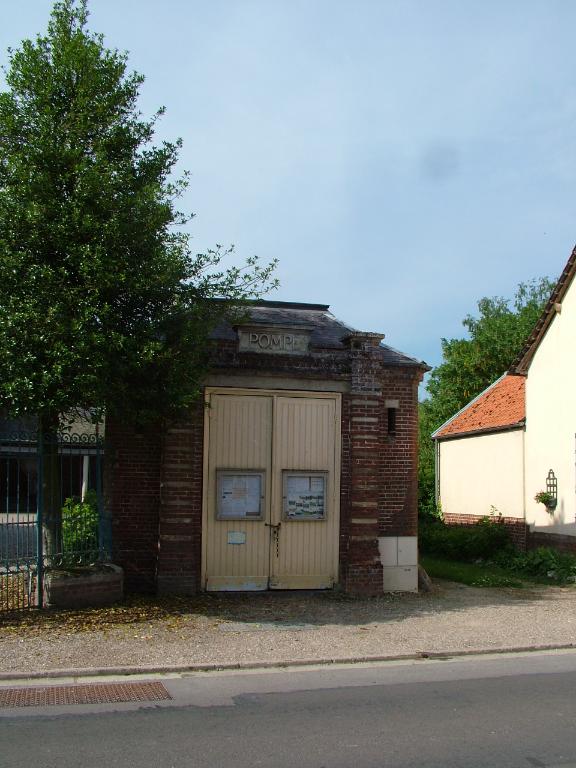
<point x="518" y="437"/>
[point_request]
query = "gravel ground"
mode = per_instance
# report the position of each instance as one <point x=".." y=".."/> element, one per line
<point x="264" y="627"/>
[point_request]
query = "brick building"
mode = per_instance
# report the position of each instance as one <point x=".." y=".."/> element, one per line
<point x="297" y="470"/>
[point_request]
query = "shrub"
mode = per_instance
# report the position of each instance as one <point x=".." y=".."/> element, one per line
<point x="80" y="528"/>
<point x="541" y="563"/>
<point x="429" y="513"/>
<point x="464" y="542"/>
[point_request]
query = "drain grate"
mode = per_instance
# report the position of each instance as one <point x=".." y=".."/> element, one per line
<point x="88" y="693"/>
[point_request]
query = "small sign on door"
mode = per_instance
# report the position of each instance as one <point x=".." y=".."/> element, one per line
<point x="236" y="537"/>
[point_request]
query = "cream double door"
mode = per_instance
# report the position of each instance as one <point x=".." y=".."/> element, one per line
<point x="271" y="490"/>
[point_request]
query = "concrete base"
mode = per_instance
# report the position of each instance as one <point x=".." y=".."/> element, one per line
<point x="84" y="587"/>
<point x="400" y="578"/>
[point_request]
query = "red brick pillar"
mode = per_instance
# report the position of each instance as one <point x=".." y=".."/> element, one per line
<point x="400" y="454"/>
<point x="179" y="552"/>
<point x="363" y="569"/>
<point x="131" y="490"/>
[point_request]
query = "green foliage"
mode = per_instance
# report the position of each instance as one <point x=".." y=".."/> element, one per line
<point x="429" y="513"/>
<point x="465" y="543"/>
<point x="102" y="303"/>
<point x="546" y="498"/>
<point x="543" y="563"/>
<point x="427" y="423"/>
<point x="80" y="528"/>
<point x="494" y="339"/>
<point x="482" y="555"/>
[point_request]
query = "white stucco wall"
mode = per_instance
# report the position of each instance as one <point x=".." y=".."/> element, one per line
<point x="551" y="421"/>
<point x="482" y="471"/>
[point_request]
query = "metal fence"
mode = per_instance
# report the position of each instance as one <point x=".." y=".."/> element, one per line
<point x="51" y="511"/>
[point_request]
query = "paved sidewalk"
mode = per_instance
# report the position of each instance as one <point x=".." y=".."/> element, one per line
<point x="228" y="630"/>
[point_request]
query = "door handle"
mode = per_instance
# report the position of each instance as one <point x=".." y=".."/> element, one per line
<point x="276" y="526"/>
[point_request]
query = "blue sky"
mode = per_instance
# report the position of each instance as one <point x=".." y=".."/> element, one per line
<point x="400" y="158"/>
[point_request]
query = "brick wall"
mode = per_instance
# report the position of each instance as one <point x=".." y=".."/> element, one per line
<point x="517" y="528"/>
<point x="180" y="530"/>
<point x="363" y="572"/>
<point x="363" y="569"/>
<point x="383" y="466"/>
<point x="132" y="494"/>
<point x="555" y="540"/>
<point x="520" y="533"/>
<point x="399" y="468"/>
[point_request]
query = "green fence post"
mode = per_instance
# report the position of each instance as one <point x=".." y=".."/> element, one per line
<point x="104" y="524"/>
<point x="39" y="521"/>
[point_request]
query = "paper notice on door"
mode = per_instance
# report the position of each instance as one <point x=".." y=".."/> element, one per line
<point x="304" y="497"/>
<point x="239" y="495"/>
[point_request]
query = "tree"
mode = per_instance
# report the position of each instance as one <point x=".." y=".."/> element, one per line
<point x="471" y="364"/>
<point x="102" y="303"/>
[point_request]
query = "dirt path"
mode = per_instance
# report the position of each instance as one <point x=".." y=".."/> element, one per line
<point x="264" y="627"/>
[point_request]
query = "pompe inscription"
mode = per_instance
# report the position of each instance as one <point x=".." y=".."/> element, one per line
<point x="275" y="341"/>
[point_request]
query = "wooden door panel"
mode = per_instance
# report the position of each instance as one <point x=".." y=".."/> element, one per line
<point x="306" y="437"/>
<point x="237" y="551"/>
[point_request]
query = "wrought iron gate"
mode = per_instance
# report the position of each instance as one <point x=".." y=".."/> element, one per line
<point x="51" y="511"/>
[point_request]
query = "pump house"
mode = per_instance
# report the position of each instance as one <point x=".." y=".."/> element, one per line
<point x="297" y="470"/>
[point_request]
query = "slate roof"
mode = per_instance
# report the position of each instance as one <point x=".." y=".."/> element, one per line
<point x="500" y="407"/>
<point x="327" y="332"/>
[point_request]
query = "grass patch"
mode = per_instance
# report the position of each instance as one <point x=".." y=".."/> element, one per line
<point x="475" y="575"/>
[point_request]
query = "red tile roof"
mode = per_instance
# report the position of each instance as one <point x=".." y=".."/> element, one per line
<point x="500" y="406"/>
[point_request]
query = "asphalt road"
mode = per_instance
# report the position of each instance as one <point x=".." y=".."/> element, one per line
<point x="486" y="711"/>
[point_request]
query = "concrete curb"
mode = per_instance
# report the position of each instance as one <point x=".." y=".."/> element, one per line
<point x="264" y="665"/>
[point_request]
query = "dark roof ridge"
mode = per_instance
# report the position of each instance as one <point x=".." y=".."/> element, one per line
<point x="406" y="359"/>
<point x="288" y="305"/>
<point x="522" y="362"/>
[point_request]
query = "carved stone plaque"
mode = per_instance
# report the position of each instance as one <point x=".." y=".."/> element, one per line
<point x="274" y="341"/>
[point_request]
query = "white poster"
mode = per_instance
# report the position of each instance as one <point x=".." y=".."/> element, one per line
<point x="305" y="496"/>
<point x="239" y="495"/>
